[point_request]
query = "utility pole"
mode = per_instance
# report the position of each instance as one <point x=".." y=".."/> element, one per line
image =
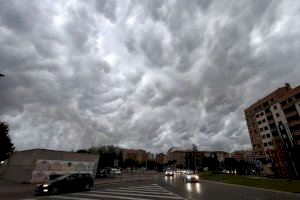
<point x="147" y="158"/>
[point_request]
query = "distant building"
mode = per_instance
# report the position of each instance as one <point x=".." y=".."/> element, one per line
<point x="221" y="155"/>
<point x="151" y="156"/>
<point x="159" y="158"/>
<point x="176" y="154"/>
<point x="274" y="128"/>
<point x="38" y="165"/>
<point x="243" y="155"/>
<point x="138" y="155"/>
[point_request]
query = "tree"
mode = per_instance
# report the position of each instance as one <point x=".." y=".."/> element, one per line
<point x="6" y="146"/>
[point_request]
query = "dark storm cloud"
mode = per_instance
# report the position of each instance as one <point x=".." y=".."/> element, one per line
<point x="141" y="73"/>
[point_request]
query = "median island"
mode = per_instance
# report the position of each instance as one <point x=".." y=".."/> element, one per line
<point x="285" y="185"/>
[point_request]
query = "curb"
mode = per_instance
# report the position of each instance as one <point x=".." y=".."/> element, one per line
<point x="250" y="187"/>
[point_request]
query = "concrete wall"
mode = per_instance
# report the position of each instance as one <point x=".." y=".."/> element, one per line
<point x="22" y="164"/>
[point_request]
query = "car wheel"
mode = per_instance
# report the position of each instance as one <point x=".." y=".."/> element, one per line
<point x="54" y="190"/>
<point x="87" y="186"/>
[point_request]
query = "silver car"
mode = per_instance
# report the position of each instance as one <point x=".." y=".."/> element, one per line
<point x="191" y="177"/>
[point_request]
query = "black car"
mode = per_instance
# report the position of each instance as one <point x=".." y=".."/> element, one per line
<point x="66" y="183"/>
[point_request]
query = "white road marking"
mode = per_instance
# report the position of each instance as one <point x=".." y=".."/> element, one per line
<point x="129" y="193"/>
<point x="112" y="196"/>
<point x="139" y="191"/>
<point x="64" y="197"/>
<point x="169" y="191"/>
<point x="28" y="199"/>
<point x="133" y="194"/>
<point x="146" y="190"/>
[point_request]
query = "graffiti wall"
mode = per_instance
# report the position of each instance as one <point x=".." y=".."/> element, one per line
<point x="45" y="168"/>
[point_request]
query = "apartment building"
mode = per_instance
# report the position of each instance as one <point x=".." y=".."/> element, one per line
<point x="274" y="128"/>
<point x="159" y="158"/>
<point x="221" y="155"/>
<point x="138" y="155"/>
<point x="176" y="154"/>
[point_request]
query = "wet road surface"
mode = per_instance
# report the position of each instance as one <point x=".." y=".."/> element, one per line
<point x="172" y="188"/>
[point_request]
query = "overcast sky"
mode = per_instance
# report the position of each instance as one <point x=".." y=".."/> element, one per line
<point x="142" y="73"/>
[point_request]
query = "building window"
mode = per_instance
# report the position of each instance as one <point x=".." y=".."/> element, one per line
<point x="269" y="143"/>
<point x="264" y="120"/>
<point x="290" y="99"/>
<point x="265" y="144"/>
<point x="263" y="137"/>
<point x="261" y="129"/>
<point x="277" y="114"/>
<point x="268" y="135"/>
<point x="283" y="103"/>
<point x="297" y="96"/>
<point x="261" y="114"/>
<point x="257" y="116"/>
<point x="266" y="128"/>
<point x="269" y="117"/>
<point x="265" y="104"/>
<point x="259" y="122"/>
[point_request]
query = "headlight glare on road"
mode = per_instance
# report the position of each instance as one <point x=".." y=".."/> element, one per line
<point x="45" y="185"/>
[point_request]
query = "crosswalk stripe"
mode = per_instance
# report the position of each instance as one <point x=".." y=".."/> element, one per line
<point x="65" y="197"/>
<point x="111" y="196"/>
<point x="138" y="191"/>
<point x="143" y="186"/>
<point x="144" y="195"/>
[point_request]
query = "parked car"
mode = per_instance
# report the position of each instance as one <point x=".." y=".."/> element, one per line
<point x="116" y="171"/>
<point x="66" y="183"/>
<point x="105" y="173"/>
<point x="191" y="177"/>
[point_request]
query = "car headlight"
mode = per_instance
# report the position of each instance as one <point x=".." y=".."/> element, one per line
<point x="197" y="177"/>
<point x="45" y="185"/>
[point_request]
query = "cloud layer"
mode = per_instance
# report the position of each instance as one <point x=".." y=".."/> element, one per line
<point x="141" y="74"/>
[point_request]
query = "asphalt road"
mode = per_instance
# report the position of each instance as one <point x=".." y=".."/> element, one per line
<point x="172" y="188"/>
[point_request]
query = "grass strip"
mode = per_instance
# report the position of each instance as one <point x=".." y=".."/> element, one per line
<point x="259" y="182"/>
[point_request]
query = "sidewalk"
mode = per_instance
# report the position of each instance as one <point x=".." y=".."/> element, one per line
<point x="16" y="191"/>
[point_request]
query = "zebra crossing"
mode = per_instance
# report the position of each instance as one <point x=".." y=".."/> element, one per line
<point x="145" y="192"/>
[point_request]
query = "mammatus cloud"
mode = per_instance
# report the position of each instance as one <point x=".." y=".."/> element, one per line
<point x="141" y="73"/>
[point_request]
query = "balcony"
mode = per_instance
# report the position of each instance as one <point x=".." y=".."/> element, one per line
<point x="291" y="114"/>
<point x="294" y="123"/>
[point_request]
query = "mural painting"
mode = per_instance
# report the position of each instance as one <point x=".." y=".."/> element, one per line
<point x="44" y="168"/>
